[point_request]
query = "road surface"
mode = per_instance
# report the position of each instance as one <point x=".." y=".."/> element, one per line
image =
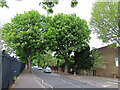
<point x="53" y="80"/>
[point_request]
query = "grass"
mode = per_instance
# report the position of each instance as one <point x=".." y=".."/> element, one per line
<point x="67" y="74"/>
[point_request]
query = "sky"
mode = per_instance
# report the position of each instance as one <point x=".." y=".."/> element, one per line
<point x="82" y="10"/>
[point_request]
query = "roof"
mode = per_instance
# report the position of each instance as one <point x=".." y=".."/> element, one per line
<point x="118" y="46"/>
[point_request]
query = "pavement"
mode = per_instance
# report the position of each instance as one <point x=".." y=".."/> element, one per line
<point x="105" y="82"/>
<point x="97" y="81"/>
<point x="35" y="80"/>
<point x="27" y="80"/>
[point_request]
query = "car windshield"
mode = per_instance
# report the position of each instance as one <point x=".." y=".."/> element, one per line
<point x="47" y="67"/>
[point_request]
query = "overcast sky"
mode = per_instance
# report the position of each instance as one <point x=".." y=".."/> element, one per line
<point x="83" y="10"/>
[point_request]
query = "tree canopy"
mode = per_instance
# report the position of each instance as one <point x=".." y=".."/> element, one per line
<point x="3" y="3"/>
<point x="68" y="33"/>
<point x="49" y="4"/>
<point x="97" y="59"/>
<point x="104" y="21"/>
<point x="83" y="59"/>
<point x="46" y="4"/>
<point x="23" y="34"/>
<point x="29" y="35"/>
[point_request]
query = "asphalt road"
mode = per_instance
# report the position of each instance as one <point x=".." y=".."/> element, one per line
<point x="53" y="80"/>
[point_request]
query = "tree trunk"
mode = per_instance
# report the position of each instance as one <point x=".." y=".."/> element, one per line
<point x="66" y="66"/>
<point x="89" y="72"/>
<point x="44" y="64"/>
<point x="66" y="69"/>
<point x="29" y="63"/>
<point x="38" y="63"/>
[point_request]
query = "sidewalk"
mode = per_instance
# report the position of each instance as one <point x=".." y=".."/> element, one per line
<point x="105" y="82"/>
<point x="27" y="80"/>
<point x="97" y="81"/>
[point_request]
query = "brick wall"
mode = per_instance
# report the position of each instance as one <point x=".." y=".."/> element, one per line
<point x="109" y="54"/>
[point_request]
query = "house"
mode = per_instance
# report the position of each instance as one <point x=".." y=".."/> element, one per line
<point x="112" y="57"/>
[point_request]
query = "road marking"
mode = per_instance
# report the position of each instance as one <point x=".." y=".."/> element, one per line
<point x="105" y="85"/>
<point x="113" y="83"/>
<point x="74" y="85"/>
<point x="42" y="81"/>
<point x="47" y="84"/>
<point x="71" y="83"/>
<point x="64" y="81"/>
<point x="37" y="80"/>
<point x="54" y="74"/>
<point x="83" y="81"/>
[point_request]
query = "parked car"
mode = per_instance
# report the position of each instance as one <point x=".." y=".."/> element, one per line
<point x="39" y="68"/>
<point x="47" y="70"/>
<point x="35" y="66"/>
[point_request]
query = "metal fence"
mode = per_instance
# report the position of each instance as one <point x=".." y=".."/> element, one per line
<point x="11" y="67"/>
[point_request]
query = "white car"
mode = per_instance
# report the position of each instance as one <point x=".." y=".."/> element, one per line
<point x="39" y="68"/>
<point x="35" y="66"/>
<point x="47" y="70"/>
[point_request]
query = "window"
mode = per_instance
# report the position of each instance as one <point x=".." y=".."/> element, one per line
<point x="116" y="62"/>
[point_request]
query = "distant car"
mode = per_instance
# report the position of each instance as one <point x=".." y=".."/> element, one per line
<point x="35" y="66"/>
<point x="47" y="70"/>
<point x="39" y="68"/>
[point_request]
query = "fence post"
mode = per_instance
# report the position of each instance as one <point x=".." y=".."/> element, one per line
<point x="0" y="70"/>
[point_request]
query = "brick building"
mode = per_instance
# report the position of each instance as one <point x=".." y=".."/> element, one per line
<point x="111" y="56"/>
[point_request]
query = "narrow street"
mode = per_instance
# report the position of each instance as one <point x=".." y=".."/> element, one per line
<point x="53" y="80"/>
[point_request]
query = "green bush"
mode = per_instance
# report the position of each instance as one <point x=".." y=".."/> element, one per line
<point x="67" y="73"/>
<point x="15" y="78"/>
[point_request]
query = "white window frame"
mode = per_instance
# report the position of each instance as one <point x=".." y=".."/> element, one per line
<point x="116" y="62"/>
